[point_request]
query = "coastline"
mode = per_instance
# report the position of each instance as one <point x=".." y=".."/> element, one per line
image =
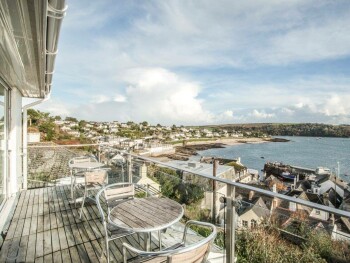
<point x="233" y="141"/>
<point x="184" y="152"/>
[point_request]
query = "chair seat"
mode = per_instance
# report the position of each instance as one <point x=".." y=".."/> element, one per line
<point x="116" y="232"/>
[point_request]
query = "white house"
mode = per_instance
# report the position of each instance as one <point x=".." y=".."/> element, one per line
<point x="252" y="213"/>
<point x="28" y="48"/>
<point x="33" y="137"/>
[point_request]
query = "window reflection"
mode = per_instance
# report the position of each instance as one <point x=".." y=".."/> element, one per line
<point x="2" y="143"/>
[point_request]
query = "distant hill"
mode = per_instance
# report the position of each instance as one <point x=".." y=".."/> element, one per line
<point x="287" y="129"/>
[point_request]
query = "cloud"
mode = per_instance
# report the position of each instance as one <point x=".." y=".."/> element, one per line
<point x="119" y="98"/>
<point x="184" y="63"/>
<point x="262" y="114"/>
<point x="153" y="94"/>
<point x="55" y="107"/>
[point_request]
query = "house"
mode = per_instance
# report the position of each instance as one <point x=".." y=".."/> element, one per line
<point x="147" y="182"/>
<point x="252" y="212"/>
<point x="65" y="128"/>
<point x="341" y="229"/>
<point x="74" y="133"/>
<point x="28" y="47"/>
<point x="297" y="208"/>
<point x="33" y="137"/>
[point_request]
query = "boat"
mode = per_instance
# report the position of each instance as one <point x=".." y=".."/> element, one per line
<point x="322" y="171"/>
<point x="287" y="175"/>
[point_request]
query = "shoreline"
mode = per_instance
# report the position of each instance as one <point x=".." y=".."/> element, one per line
<point x="184" y="152"/>
<point x="233" y="141"/>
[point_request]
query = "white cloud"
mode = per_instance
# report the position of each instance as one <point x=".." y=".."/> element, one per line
<point x="55" y="107"/>
<point x="119" y="98"/>
<point x="130" y="63"/>
<point x="100" y="99"/>
<point x="262" y="114"/>
<point x="153" y="94"/>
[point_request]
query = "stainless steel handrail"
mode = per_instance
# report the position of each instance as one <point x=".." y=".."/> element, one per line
<point x="248" y="187"/>
<point x="218" y="179"/>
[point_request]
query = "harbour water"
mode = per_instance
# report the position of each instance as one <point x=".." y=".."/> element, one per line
<point x="307" y="152"/>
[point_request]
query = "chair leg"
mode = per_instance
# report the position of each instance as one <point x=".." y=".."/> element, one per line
<point x="71" y="184"/>
<point x="160" y="240"/>
<point x="107" y="251"/>
<point x="74" y="197"/>
<point x="82" y="205"/>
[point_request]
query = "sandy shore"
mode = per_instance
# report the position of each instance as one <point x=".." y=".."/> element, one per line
<point x="227" y="141"/>
<point x="184" y="152"/>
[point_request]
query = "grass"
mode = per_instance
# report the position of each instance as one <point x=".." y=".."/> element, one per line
<point x="266" y="245"/>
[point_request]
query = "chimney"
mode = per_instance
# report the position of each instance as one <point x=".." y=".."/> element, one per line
<point x="297" y="177"/>
<point x="274" y="188"/>
<point x="251" y="195"/>
<point x="326" y="199"/>
<point x="295" y="182"/>
<point x="143" y="171"/>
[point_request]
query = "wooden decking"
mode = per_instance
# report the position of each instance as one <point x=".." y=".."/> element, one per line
<point x="46" y="228"/>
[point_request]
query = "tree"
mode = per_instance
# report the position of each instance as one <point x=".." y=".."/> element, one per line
<point x="34" y="116"/>
<point x="82" y="123"/>
<point x="71" y="119"/>
<point x="48" y="127"/>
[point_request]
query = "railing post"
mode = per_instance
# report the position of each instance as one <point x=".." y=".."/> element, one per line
<point x="129" y="168"/>
<point x="215" y="163"/>
<point x="230" y="225"/>
<point x="99" y="153"/>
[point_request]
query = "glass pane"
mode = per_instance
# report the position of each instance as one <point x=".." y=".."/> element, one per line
<point x="2" y="143"/>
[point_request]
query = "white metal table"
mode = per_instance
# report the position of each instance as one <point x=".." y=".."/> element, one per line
<point x="145" y="215"/>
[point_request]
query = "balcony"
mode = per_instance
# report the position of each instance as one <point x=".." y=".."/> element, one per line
<point x="253" y="223"/>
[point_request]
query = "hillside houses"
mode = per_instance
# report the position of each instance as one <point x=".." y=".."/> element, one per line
<point x="322" y="190"/>
<point x="92" y="130"/>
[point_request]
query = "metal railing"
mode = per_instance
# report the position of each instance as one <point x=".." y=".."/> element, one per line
<point x="133" y="161"/>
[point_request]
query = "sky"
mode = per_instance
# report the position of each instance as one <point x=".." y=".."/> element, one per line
<point x="204" y="62"/>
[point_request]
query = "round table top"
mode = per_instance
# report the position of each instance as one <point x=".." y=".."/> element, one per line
<point x="146" y="214"/>
<point x="87" y="165"/>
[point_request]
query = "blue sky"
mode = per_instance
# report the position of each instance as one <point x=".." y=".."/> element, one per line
<point x="204" y="62"/>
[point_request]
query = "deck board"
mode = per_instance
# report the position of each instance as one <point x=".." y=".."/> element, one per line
<point x="46" y="228"/>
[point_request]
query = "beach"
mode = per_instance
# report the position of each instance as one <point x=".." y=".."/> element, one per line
<point x="190" y="148"/>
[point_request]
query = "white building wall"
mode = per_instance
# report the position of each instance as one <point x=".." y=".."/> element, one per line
<point x="33" y="137"/>
<point x="322" y="215"/>
<point x="15" y="142"/>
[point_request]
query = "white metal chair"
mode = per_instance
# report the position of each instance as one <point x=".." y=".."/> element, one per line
<point x="181" y="252"/>
<point x="94" y="180"/>
<point x="113" y="194"/>
<point x="78" y="173"/>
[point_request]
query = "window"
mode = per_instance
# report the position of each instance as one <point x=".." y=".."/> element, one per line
<point x="3" y="127"/>
<point x="245" y="223"/>
<point x="253" y="223"/>
<point x="317" y="212"/>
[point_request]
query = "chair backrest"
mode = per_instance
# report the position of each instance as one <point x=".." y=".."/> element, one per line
<point x="119" y="191"/>
<point x="197" y="252"/>
<point x="193" y="253"/>
<point x="196" y="255"/>
<point x="112" y="193"/>
<point x="96" y="177"/>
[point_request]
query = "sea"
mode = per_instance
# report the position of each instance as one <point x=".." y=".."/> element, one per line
<point x="309" y="152"/>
